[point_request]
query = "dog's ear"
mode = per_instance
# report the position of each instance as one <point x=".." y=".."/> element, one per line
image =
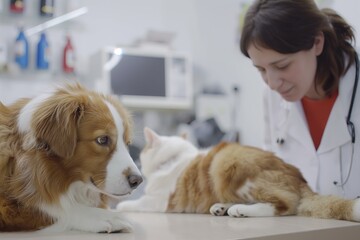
<point x="55" y="124"/>
<point x="151" y="137"/>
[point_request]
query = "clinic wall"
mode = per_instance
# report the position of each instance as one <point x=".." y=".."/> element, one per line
<point x="208" y="29"/>
<point x="349" y="9"/>
<point x="219" y="60"/>
<point x="219" y="63"/>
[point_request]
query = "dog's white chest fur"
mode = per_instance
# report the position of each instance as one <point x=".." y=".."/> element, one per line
<point x="77" y="210"/>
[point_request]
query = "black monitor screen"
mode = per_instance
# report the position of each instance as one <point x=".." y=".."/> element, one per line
<point x="139" y="75"/>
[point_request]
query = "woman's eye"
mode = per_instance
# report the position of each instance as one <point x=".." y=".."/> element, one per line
<point x="103" y="140"/>
<point x="282" y="67"/>
<point x="261" y="70"/>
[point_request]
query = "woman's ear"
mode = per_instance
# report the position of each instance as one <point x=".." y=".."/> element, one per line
<point x="319" y="43"/>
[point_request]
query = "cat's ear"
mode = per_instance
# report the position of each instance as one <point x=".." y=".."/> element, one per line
<point x="184" y="135"/>
<point x="151" y="137"/>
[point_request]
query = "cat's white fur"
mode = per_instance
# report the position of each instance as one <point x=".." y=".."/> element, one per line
<point x="161" y="165"/>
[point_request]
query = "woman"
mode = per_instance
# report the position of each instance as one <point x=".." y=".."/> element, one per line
<point x="306" y="58"/>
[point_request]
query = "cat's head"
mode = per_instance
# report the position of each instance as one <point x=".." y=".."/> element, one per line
<point x="161" y="151"/>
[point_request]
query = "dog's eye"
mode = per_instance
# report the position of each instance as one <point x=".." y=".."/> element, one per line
<point x="103" y="140"/>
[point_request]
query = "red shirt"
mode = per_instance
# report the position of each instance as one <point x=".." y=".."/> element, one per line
<point x="317" y="113"/>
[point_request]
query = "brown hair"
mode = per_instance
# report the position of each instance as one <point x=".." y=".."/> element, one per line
<point x="289" y="26"/>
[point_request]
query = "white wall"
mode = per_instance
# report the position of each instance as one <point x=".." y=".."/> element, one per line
<point x="205" y="28"/>
<point x="349" y="9"/>
<point x="219" y="61"/>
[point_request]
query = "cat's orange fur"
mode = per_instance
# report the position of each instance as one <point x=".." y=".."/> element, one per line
<point x="229" y="178"/>
<point x="217" y="176"/>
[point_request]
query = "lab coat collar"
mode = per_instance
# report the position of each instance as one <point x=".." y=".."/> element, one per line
<point x="336" y="131"/>
<point x="296" y="125"/>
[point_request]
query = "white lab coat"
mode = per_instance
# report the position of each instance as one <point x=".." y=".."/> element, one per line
<point x="321" y="167"/>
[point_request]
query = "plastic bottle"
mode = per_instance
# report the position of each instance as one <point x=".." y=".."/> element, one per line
<point x="1" y="6"/>
<point x="17" y="6"/>
<point x="3" y="56"/>
<point x="22" y="50"/>
<point x="43" y="52"/>
<point x="68" y="57"/>
<point x="47" y="8"/>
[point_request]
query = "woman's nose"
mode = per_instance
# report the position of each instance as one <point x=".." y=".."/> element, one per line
<point x="273" y="80"/>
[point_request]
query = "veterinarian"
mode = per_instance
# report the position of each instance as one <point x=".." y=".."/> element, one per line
<point x="312" y="111"/>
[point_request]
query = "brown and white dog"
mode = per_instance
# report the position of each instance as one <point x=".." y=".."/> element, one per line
<point x="62" y="154"/>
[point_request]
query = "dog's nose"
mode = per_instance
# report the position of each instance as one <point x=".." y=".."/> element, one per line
<point x="134" y="180"/>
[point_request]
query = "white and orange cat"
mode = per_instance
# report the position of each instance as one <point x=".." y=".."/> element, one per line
<point x="228" y="178"/>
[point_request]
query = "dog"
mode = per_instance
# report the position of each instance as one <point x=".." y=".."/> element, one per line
<point x="227" y="179"/>
<point x="63" y="154"/>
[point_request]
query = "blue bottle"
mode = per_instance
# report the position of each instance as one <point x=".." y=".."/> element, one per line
<point x="43" y="51"/>
<point x="22" y="50"/>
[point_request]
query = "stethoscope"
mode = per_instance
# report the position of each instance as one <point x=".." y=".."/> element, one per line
<point x="350" y="125"/>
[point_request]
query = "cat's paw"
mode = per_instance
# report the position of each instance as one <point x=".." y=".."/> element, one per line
<point x="220" y="209"/>
<point x="238" y="210"/>
<point x="253" y="210"/>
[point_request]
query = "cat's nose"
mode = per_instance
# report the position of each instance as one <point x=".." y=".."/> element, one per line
<point x="134" y="180"/>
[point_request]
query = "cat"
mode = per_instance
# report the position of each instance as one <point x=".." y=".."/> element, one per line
<point x="227" y="179"/>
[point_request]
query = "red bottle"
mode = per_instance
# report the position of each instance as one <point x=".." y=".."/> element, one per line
<point x="17" y="6"/>
<point x="68" y="57"/>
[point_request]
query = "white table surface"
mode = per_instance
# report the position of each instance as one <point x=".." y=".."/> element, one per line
<point x="151" y="226"/>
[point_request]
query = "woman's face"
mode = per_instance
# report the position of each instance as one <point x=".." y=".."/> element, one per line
<point x="291" y="75"/>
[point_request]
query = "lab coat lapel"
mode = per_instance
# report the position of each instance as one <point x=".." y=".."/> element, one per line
<point x="298" y="128"/>
<point x="336" y="132"/>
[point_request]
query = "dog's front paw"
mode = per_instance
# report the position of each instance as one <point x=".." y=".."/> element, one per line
<point x="102" y="222"/>
<point x="114" y="224"/>
<point x="220" y="209"/>
<point x="128" y="206"/>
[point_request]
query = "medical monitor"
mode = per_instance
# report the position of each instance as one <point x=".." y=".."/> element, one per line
<point x="146" y="78"/>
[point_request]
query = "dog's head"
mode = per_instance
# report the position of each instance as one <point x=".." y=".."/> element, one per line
<point x="161" y="151"/>
<point x="84" y="134"/>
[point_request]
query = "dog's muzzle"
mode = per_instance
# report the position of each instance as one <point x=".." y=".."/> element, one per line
<point x="134" y="181"/>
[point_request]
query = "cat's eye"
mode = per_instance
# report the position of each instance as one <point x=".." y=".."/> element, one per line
<point x="103" y="140"/>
